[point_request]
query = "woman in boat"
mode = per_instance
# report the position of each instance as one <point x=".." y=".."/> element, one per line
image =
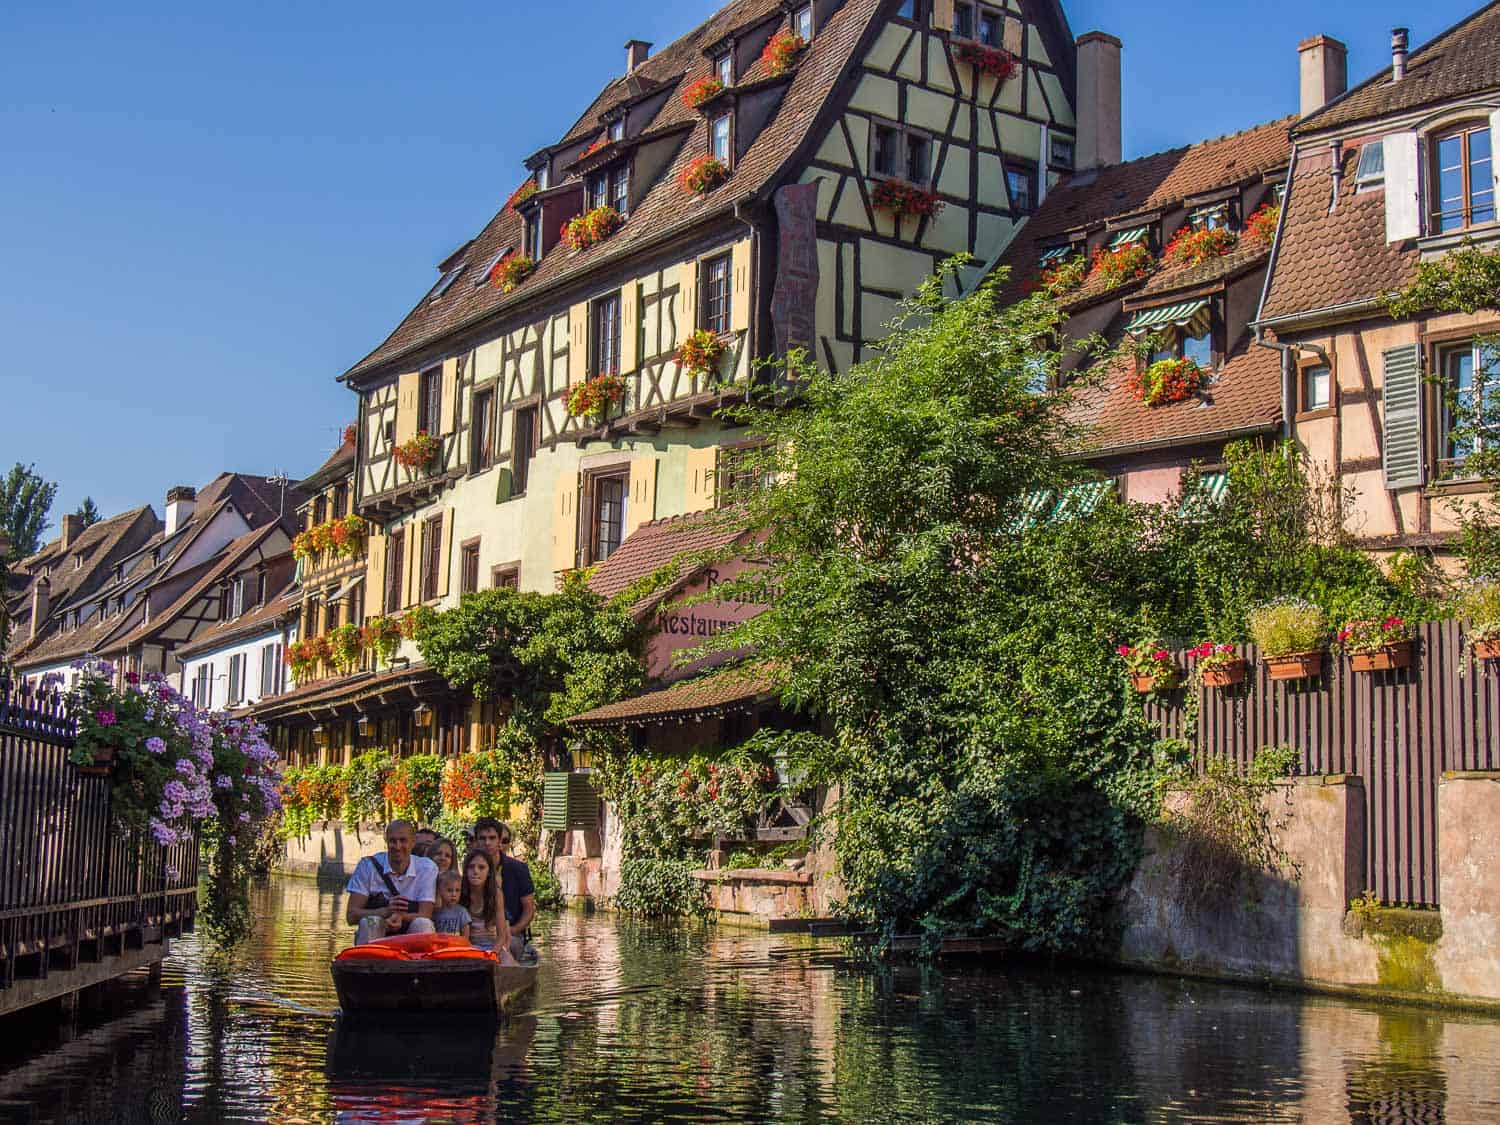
<point x="481" y="898"/>
<point x="444" y="855"/>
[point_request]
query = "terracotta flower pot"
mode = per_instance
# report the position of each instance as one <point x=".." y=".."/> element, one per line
<point x="1295" y="666"/>
<point x="1382" y="659"/>
<point x="1143" y="684"/>
<point x="1224" y="675"/>
<point x="1487" y="650"/>
<point x="104" y="757"/>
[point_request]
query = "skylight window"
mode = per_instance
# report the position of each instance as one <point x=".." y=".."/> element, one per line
<point x="489" y="267"/>
<point x="1371" y="170"/>
<point x="446" y="281"/>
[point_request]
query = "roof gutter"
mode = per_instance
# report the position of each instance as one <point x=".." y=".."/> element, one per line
<point x="1287" y="363"/>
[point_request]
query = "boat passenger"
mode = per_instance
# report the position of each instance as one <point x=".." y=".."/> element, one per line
<point x="393" y="892"/>
<point x="426" y="837"/>
<point x="481" y="898"/>
<point x="444" y="854"/>
<point x="516" y="887"/>
<point x="450" y="917"/>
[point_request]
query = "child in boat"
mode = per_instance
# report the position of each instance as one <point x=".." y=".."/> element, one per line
<point x="450" y="917"/>
<point x="481" y="898"/>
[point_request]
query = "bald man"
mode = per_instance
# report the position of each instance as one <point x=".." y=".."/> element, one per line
<point x="392" y="892"/>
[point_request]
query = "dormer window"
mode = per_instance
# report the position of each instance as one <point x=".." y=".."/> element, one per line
<point x="541" y="178"/>
<point x="1371" y="170"/>
<point x="1463" y="178"/>
<point x="598" y="187"/>
<point x="720" y="132"/>
<point x="619" y="188"/>
<point x="617" y="130"/>
<point x="724" y="69"/>
<point x="1215" y="216"/>
<point x="1181" y="331"/>
<point x="802" y="22"/>
<point x="532" y="236"/>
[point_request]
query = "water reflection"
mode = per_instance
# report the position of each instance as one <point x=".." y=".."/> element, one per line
<point x="642" y="1022"/>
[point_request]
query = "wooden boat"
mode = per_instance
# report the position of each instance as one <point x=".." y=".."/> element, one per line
<point x="446" y="981"/>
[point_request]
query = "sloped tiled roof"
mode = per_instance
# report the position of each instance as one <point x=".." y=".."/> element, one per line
<point x="1332" y="258"/>
<point x="258" y="620"/>
<point x="340" y="463"/>
<point x="1465" y="59"/>
<point x="734" y="689"/>
<point x="659" y="543"/>
<point x="666" y="208"/>
<point x="345" y="690"/>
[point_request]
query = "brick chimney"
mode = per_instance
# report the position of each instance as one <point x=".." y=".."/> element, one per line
<point x="41" y="602"/>
<point x="180" y="504"/>
<point x="637" y="51"/>
<point x="1098" y="101"/>
<point x="1323" y="63"/>
<point x="71" y="526"/>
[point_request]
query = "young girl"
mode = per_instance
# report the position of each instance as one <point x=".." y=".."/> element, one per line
<point x="481" y="898"/>
<point x="450" y="917"/>
<point x="442" y="854"/>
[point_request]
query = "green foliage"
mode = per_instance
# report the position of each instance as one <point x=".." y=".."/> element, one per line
<point x="1273" y="762"/>
<point x="25" y="500"/>
<point x="88" y="512"/>
<point x="1288" y="626"/>
<point x="414" y="788"/>
<point x="364" y="796"/>
<point x="661" y="888"/>
<point x="1463" y="280"/>
<point x="548" y="887"/>
<point x="1479" y="603"/>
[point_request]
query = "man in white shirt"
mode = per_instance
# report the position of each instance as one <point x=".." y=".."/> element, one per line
<point x="392" y="893"/>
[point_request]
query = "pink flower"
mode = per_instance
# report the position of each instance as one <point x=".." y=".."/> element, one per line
<point x="132" y="678"/>
<point x="1393" y="623"/>
<point x="105" y="718"/>
<point x="1124" y="650"/>
<point x="1161" y="654"/>
<point x="1226" y="649"/>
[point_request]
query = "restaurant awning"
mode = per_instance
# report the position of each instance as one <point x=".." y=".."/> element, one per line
<point x="1208" y="493"/>
<point x="707" y="697"/>
<point x="1178" y="314"/>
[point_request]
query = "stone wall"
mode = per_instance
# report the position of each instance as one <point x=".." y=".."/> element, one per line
<point x="1297" y="927"/>
<point x="331" y="849"/>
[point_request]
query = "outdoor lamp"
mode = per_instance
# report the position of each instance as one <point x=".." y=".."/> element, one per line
<point x="423" y="714"/>
<point x="363" y="723"/>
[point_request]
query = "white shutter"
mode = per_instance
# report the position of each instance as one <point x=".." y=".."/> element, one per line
<point x="1403" y="208"/>
<point x="1495" y="164"/>
<point x="1401" y="449"/>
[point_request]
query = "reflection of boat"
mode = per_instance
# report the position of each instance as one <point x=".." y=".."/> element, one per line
<point x="437" y="985"/>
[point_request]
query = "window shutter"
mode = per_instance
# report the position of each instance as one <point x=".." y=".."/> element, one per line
<point x="565" y="523"/>
<point x="445" y="560"/>
<point x="687" y="298"/>
<point x="942" y="14"/>
<point x="578" y="344"/>
<point x="702" y="474"/>
<point x="450" y="395"/>
<point x="569" y="801"/>
<point x="1401" y="449"/>
<point x="739" y="301"/>
<point x="630" y="325"/>
<point x="1403" y="207"/>
<point x="1495" y="165"/>
<point x="375" y="570"/>
<point x="406" y="406"/>
<point x="641" y="508"/>
<point x="412" y="571"/>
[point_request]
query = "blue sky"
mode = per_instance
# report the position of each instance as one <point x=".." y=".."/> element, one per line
<point x="209" y="211"/>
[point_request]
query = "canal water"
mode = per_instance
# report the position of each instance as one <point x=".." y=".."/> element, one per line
<point x="659" y="1023"/>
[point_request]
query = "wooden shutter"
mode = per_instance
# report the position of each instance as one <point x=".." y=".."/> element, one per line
<point x="578" y="344"/>
<point x="942" y="14"/>
<point x="641" y="508"/>
<point x="412" y="572"/>
<point x="445" y="560"/>
<point x="569" y="801"/>
<point x="702" y="478"/>
<point x="565" y="523"/>
<point x="375" y="571"/>
<point x="449" y="405"/>
<point x="739" y="298"/>
<point x="1403" y="208"/>
<point x="407" y="394"/>
<point x="1401" y="449"/>
<point x="687" y="298"/>
<point x="630" y="327"/>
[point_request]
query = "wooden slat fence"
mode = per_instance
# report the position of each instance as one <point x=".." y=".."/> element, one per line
<point x="1398" y="730"/>
<point x="72" y="886"/>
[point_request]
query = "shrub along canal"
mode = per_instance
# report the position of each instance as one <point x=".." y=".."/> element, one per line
<point x="698" y="1023"/>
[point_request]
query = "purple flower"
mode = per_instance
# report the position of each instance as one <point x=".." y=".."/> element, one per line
<point x="223" y="781"/>
<point x="105" y="718"/>
<point x="185" y="767"/>
<point x="175" y="790"/>
<point x="244" y="816"/>
<point x="164" y="834"/>
<point x="156" y="745"/>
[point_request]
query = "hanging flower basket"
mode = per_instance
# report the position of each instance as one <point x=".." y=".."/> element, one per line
<point x="1113" y="268"/>
<point x="1219" y="666"/>
<point x="419" y="451"/>
<point x="1295" y="666"/>
<point x="997" y="63"/>
<point x="700" y="353"/>
<point x="594" y="398"/>
<point x="703" y="175"/>
<point x="510" y="271"/>
<point x="1150" y="666"/>
<point x="583" y="231"/>
<point x="899" y="198"/>
<point x="781" y="52"/>
<point x="1191" y="247"/>
<point x="1260" y="227"/>
<point x="1382" y="659"/>
<point x="1167" y="381"/>
<point x="702" y="91"/>
<point x="1377" y="645"/>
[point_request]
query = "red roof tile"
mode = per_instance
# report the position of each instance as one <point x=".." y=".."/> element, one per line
<point x="660" y="543"/>
<point x="731" y="690"/>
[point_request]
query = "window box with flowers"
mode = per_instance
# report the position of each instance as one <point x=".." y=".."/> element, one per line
<point x="521" y="194"/>
<point x="781" y="53"/>
<point x="511" y="270"/>
<point x="591" y="227"/>
<point x="1110" y="269"/>
<point x="1290" y="633"/>
<point x="345" y="646"/>
<point x="1066" y="276"/>
<point x="703" y="175"/>
<point x="346" y="536"/>
<point x="381" y="637"/>
<point x="998" y="63"/>
<point x="700" y="353"/>
<point x="594" y="398"/>
<point x="1218" y="665"/>
<point x="898" y="198"/>
<point x="1150" y="665"/>
<point x="1192" y="247"/>
<point x="702" y="92"/>
<point x="418" y="452"/>
<point x="1377" y="645"/>
<point x="1167" y="381"/>
<point x="303" y="657"/>
<point x="1479" y="604"/>
<point x="1260" y="228"/>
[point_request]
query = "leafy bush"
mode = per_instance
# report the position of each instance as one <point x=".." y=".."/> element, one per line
<point x="549" y="892"/>
<point x="364" y="791"/>
<point x="1479" y="603"/>
<point x="661" y="888"/>
<point x="1288" y="626"/>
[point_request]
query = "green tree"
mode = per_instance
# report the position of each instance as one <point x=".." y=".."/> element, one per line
<point x="89" y="511"/>
<point x="25" y="500"/>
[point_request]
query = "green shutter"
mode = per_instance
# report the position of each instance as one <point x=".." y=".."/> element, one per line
<point x="503" y="484"/>
<point x="1081" y="500"/>
<point x="569" y="801"/>
<point x="1401" y="450"/>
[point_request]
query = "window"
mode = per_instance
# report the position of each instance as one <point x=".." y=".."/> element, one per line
<point x="355" y="606"/>
<point x="237" y="596"/>
<point x="389" y="432"/>
<point x="341" y="501"/>
<point x="1021" y="183"/>
<point x="429" y="410"/>
<point x="742" y="470"/>
<point x="524" y="448"/>
<point x="975" y="21"/>
<point x="319" y="512"/>
<point x="1469" y="410"/>
<point x="724" y="68"/>
<point x="606" y="336"/>
<point x="483" y="429"/>
<point x="468" y="575"/>
<point x="236" y="679"/>
<point x="719" y="140"/>
<point x="918" y="158"/>
<point x="484" y="275"/>
<point x="446" y="281"/>
<point x="802" y="22"/>
<point x="598" y="189"/>
<point x="77" y="562"/>
<point x="617" y="130"/>
<point x="533" y="236"/>
<point x="1198" y="348"/>
<point x="395" y="562"/>
<point x="1371" y="170"/>
<point x="619" y="188"/>
<point x="541" y="178"/>
<point x="885" y="157"/>
<point x="716" y="273"/>
<point x="432" y="556"/>
<point x="203" y="684"/>
<point x="607" y="515"/>
<point x="910" y="10"/>
<point x="260" y="587"/>
<point x="900" y="153"/>
<point x="1317" y="387"/>
<point x="963" y="21"/>
<point x="506" y="577"/>
<point x="1062" y="153"/>
<point x="1213" y="217"/>
<point x="1465" y="183"/>
<point x="270" y="670"/>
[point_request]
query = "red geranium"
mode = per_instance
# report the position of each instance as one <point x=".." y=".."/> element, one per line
<point x="997" y="63"/>
<point x="703" y="175"/>
<point x="1167" y="381"/>
<point x="1190" y="247"/>
<point x="701" y="91"/>
<point x="899" y="198"/>
<point x="781" y="52"/>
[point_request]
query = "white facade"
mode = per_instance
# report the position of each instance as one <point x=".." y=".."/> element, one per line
<point x="238" y="673"/>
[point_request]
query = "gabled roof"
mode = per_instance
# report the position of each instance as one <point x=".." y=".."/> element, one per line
<point x="660" y="543"/>
<point x="340" y="464"/>
<point x="666" y="209"/>
<point x="1463" y="60"/>
<point x="263" y="619"/>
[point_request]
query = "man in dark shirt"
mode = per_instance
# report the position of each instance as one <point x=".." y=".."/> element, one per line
<point x="493" y="837"/>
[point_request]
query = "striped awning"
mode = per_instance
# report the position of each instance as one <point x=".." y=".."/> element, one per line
<point x="346" y="589"/>
<point x="1166" y="314"/>
<point x="1207" y="493"/>
<point x="1056" y="254"/>
<point x="1080" y="500"/>
<point x="1034" y="508"/>
<point x="1127" y="237"/>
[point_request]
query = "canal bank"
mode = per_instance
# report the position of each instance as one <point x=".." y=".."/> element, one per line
<point x="655" y="1022"/>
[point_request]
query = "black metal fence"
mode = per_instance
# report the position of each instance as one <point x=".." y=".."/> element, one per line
<point x="1399" y="730"/>
<point x="73" y="888"/>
